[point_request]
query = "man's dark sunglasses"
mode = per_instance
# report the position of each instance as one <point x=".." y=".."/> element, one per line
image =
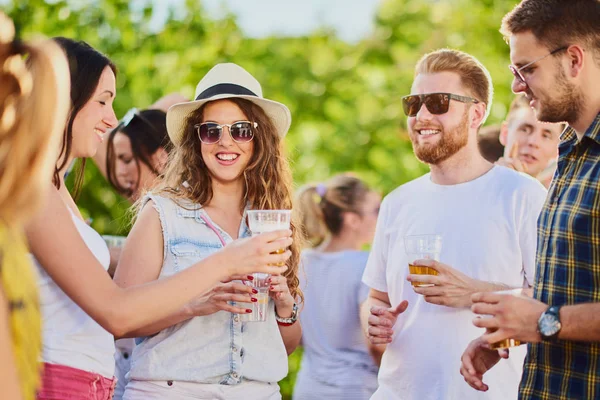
<point x="436" y="103"/>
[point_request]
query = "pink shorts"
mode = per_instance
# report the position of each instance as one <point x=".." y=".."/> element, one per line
<point x="60" y="382"/>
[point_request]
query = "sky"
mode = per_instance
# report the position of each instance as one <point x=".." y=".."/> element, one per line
<point x="351" y="19"/>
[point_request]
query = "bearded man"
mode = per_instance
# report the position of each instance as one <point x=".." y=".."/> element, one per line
<point x="486" y="218"/>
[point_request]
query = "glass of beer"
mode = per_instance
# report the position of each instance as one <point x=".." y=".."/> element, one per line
<point x="261" y="221"/>
<point x="506" y="343"/>
<point x="420" y="247"/>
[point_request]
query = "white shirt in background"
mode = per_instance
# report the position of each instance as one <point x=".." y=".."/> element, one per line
<point x="488" y="227"/>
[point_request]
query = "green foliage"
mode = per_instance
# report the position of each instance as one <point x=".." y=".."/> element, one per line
<point x="344" y="98"/>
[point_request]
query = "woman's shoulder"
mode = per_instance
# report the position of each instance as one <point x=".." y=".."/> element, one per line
<point x="168" y="198"/>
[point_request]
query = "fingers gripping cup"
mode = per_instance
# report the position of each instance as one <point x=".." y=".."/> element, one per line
<point x="422" y="247"/>
<point x="261" y="221"/>
<point x="507" y="343"/>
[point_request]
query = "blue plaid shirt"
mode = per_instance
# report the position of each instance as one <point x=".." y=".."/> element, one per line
<point x="568" y="270"/>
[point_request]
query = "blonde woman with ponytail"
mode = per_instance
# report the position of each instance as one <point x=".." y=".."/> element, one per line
<point x="33" y="110"/>
<point x="339" y="218"/>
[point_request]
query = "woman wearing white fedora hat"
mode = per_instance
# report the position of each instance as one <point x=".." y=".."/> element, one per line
<point x="227" y="159"/>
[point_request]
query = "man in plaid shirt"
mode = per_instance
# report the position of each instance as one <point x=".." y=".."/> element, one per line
<point x="555" y="51"/>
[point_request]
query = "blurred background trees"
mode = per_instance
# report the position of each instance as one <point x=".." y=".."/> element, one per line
<point x="344" y="97"/>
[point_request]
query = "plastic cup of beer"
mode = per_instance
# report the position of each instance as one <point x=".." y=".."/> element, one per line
<point x="506" y="343"/>
<point x="420" y="247"/>
<point x="261" y="221"/>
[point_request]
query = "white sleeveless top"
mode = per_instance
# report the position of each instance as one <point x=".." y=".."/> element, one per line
<point x="71" y="337"/>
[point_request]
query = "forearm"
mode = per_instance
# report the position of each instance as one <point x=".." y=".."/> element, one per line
<point x="155" y="327"/>
<point x="580" y="322"/>
<point x="165" y="299"/>
<point x="375" y="350"/>
<point x="292" y="334"/>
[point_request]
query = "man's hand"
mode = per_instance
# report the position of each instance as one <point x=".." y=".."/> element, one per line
<point x="381" y="323"/>
<point x="512" y="161"/>
<point x="451" y="288"/>
<point x="512" y="316"/>
<point x="477" y="359"/>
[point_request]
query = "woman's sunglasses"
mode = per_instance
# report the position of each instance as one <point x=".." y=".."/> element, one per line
<point x="133" y="114"/>
<point x="240" y="131"/>
<point x="436" y="103"/>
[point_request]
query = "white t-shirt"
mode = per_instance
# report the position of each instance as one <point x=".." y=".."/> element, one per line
<point x="70" y="336"/>
<point x="336" y="360"/>
<point x="489" y="232"/>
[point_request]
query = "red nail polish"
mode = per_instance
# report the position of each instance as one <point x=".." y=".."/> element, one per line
<point x="248" y="310"/>
<point x="254" y="300"/>
<point x="254" y="291"/>
<point x="270" y="287"/>
<point x="250" y="277"/>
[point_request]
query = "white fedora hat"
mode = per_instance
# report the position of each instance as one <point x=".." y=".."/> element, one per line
<point x="225" y="81"/>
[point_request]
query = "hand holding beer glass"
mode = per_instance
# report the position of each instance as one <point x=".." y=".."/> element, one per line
<point x="261" y="221"/>
<point x="506" y="343"/>
<point x="420" y="247"/>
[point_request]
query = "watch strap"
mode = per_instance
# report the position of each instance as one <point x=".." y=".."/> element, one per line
<point x="290" y="320"/>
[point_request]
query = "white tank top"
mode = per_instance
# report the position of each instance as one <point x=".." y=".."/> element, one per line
<point x="71" y="337"/>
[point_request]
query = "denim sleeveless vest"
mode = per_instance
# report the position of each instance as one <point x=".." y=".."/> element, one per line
<point x="218" y="348"/>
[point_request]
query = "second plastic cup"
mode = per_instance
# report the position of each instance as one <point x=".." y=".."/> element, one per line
<point x="420" y="247"/>
<point x="261" y="221"/>
<point x="507" y="343"/>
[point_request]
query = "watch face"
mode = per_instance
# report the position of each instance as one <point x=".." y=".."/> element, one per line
<point x="549" y="325"/>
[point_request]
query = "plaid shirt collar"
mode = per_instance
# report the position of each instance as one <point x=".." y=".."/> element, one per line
<point x="569" y="137"/>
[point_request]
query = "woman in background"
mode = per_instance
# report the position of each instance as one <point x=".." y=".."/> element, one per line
<point x="34" y="101"/>
<point x="338" y="218"/>
<point x="137" y="152"/>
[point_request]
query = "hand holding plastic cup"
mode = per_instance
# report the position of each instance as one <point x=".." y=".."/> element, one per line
<point x="422" y="247"/>
<point x="261" y="221"/>
<point x="507" y="343"/>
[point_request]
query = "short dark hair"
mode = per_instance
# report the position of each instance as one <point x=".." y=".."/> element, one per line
<point x="488" y="141"/>
<point x="556" y="23"/>
<point x="86" y="65"/>
<point x="147" y="132"/>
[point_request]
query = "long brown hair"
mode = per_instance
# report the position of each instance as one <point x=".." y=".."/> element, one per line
<point x="34" y="103"/>
<point x="268" y="178"/>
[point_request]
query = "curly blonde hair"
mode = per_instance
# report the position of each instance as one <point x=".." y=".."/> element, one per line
<point x="34" y="102"/>
<point x="268" y="178"/>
